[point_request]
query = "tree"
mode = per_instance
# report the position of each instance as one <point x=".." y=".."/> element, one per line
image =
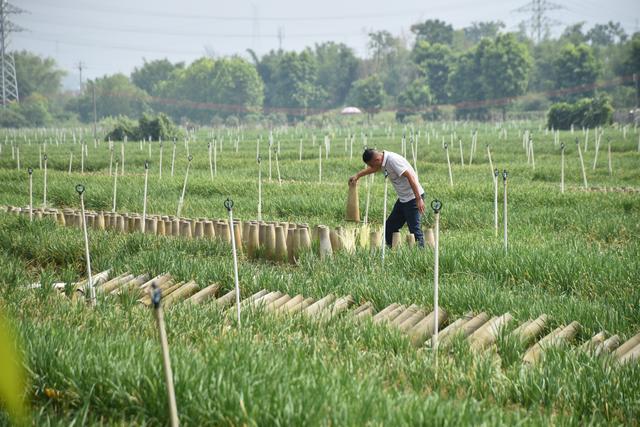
<point x="465" y="84"/>
<point x="434" y="62"/>
<point x="391" y="61"/>
<point x="480" y="30"/>
<point x="209" y="87"/>
<point x="606" y="34"/>
<point x="337" y="69"/>
<point x="575" y="66"/>
<point x="36" y="74"/>
<point x="574" y="34"/>
<point x="416" y="98"/>
<point x="368" y="94"/>
<point x="433" y="31"/>
<point x="505" y="65"/>
<point x="152" y="73"/>
<point x="115" y="95"/>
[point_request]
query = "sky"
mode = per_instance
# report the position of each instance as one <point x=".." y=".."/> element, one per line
<point x="108" y="37"/>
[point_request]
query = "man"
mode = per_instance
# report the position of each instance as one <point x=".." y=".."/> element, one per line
<point x="410" y="203"/>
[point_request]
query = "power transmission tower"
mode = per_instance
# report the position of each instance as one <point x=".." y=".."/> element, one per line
<point x="539" y="23"/>
<point x="7" y="64"/>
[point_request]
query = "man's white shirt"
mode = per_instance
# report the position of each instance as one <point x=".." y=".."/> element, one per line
<point x="396" y="165"/>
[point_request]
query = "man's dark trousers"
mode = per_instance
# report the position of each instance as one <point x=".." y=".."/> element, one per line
<point x="402" y="213"/>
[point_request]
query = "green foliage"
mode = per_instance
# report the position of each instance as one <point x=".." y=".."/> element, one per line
<point x="414" y="100"/>
<point x="368" y="94"/>
<point x="480" y="30"/>
<point x="505" y="65"/>
<point x="337" y="68"/>
<point x="575" y="66"/>
<point x="152" y="73"/>
<point x="391" y="61"/>
<point x="587" y="112"/>
<point x="209" y="87"/>
<point x="158" y="128"/>
<point x="434" y="62"/>
<point x="433" y="31"/>
<point x="12" y="118"/>
<point x="36" y="74"/>
<point x="115" y="95"/>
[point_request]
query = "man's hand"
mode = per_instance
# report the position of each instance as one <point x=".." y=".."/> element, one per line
<point x="353" y="179"/>
<point x="420" y="204"/>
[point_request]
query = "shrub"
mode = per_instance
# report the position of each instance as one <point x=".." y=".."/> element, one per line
<point x="587" y="112"/>
<point x="158" y="127"/>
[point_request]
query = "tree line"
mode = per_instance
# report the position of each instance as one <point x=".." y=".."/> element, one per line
<point x="470" y="72"/>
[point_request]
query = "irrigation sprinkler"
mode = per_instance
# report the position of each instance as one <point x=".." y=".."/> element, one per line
<point x="229" y="205"/>
<point x="184" y="186"/>
<point x="160" y="161"/>
<point x="496" y="172"/>
<point x="215" y="157"/>
<point x="446" y="148"/>
<point x="609" y="156"/>
<point x="173" y="156"/>
<point x="92" y="291"/>
<point x="597" y="148"/>
<point x="562" y="168"/>
<point x="584" y="174"/>
<point x="156" y="297"/>
<point x="122" y="158"/>
<point x="144" y="199"/>
<point x="319" y="163"/>
<point x="259" y="189"/>
<point x="504" y="181"/>
<point x="369" y="183"/>
<point x="30" y="170"/>
<point x="44" y="202"/>
<point x="300" y="151"/>
<point x="436" y="205"/>
<point x="40" y="155"/>
<point x="71" y="163"/>
<point x="210" y="161"/>
<point x="489" y="156"/>
<point x="115" y="188"/>
<point x="278" y="168"/>
<point x="384" y="215"/>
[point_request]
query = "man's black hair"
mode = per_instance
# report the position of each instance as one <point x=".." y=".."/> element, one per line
<point x="367" y="155"/>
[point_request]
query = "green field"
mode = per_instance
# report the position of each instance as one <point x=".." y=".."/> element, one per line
<point x="573" y="256"/>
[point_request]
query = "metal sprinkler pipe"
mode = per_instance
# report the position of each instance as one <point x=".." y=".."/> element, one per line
<point x="115" y="188"/>
<point x="184" y="186"/>
<point x="562" y="168"/>
<point x="156" y="297"/>
<point x="92" y="291"/>
<point x="44" y="203"/>
<point x="30" y="170"/>
<point x="436" y="205"/>
<point x="259" y="189"/>
<point x="504" y="180"/>
<point x="384" y="215"/>
<point x="496" y="172"/>
<point x="144" y="200"/>
<point x="229" y="205"/>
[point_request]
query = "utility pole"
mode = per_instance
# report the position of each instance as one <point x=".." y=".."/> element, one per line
<point x="539" y="23"/>
<point x="80" y="67"/>
<point x="280" y="37"/>
<point x="7" y="64"/>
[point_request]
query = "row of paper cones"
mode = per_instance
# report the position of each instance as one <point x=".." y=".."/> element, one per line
<point x="275" y="240"/>
<point x="480" y="330"/>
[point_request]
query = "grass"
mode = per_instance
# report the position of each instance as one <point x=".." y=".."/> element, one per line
<point x="573" y="256"/>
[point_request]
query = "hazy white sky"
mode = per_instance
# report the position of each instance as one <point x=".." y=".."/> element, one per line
<point x="115" y="35"/>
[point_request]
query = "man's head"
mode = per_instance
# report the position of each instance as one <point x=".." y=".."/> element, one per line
<point x="372" y="157"/>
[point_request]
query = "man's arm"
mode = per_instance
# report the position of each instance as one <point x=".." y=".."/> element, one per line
<point x="413" y="182"/>
<point x="366" y="171"/>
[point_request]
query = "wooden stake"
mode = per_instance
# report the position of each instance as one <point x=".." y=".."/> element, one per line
<point x="446" y="147"/>
<point x="584" y="174"/>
